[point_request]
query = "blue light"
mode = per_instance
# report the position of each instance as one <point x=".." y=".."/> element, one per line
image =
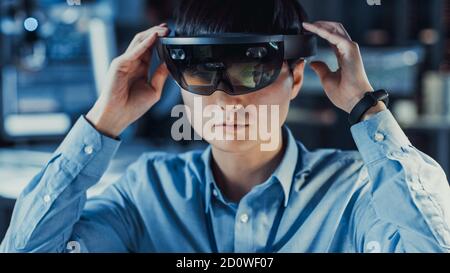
<point x="30" y="24"/>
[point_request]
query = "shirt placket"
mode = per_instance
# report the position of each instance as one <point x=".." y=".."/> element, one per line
<point x="243" y="233"/>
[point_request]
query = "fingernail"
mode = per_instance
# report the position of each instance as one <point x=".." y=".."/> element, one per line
<point x="306" y="24"/>
<point x="161" y="33"/>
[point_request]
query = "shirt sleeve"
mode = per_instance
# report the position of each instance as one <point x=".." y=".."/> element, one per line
<point x="111" y="222"/>
<point x="50" y="205"/>
<point x="408" y="205"/>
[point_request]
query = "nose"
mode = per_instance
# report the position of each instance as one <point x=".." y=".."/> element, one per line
<point x="223" y="99"/>
<point x="225" y="86"/>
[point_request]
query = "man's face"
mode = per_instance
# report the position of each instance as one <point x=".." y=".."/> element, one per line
<point x="262" y="112"/>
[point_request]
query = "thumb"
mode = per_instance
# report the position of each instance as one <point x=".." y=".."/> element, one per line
<point x="321" y="69"/>
<point x="159" y="77"/>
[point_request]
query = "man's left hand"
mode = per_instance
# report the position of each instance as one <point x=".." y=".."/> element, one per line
<point x="347" y="85"/>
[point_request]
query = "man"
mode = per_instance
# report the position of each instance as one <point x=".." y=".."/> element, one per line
<point x="235" y="196"/>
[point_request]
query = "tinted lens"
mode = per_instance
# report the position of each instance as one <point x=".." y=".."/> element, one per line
<point x="197" y="75"/>
<point x="251" y="75"/>
<point x="244" y="67"/>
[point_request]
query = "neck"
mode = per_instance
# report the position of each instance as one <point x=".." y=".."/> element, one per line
<point x="237" y="173"/>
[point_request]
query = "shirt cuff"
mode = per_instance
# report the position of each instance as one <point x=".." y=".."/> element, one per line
<point x="83" y="144"/>
<point x="378" y="136"/>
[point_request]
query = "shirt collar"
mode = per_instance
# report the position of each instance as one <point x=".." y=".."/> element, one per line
<point x="285" y="170"/>
<point x="283" y="173"/>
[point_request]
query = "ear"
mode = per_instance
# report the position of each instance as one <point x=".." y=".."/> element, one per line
<point x="297" y="78"/>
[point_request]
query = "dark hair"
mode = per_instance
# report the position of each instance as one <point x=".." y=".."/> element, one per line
<point x="202" y="17"/>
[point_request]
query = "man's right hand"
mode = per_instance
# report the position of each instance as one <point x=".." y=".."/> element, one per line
<point x="127" y="94"/>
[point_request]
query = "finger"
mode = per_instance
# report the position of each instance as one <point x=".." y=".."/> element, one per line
<point x="321" y="69"/>
<point x="145" y="45"/>
<point x="159" y="78"/>
<point x="142" y="70"/>
<point x="146" y="57"/>
<point x="335" y="27"/>
<point x="141" y="36"/>
<point x="333" y="38"/>
<point x="137" y="51"/>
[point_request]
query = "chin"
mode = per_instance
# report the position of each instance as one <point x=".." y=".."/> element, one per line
<point x="234" y="146"/>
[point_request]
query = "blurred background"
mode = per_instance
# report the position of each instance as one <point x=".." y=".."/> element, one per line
<point x="54" y="54"/>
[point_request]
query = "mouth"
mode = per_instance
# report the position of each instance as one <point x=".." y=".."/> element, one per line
<point x="230" y="126"/>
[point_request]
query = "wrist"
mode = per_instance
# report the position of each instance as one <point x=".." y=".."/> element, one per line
<point x="104" y="123"/>
<point x="380" y="106"/>
<point x="372" y="103"/>
<point x="356" y="99"/>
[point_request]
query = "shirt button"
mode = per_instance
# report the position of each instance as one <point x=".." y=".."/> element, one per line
<point x="88" y="149"/>
<point x="379" y="137"/>
<point x="47" y="198"/>
<point x="243" y="218"/>
<point x="215" y="193"/>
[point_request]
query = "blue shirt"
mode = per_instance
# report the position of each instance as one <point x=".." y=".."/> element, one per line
<point x="385" y="197"/>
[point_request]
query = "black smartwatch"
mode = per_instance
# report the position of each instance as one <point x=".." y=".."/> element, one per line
<point x="369" y="100"/>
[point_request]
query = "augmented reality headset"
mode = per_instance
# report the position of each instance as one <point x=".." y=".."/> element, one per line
<point x="234" y="63"/>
